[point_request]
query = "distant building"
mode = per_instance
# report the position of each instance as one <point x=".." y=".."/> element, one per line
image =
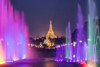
<point x="50" y="35"/>
<point x="48" y="42"/>
<point x="35" y="38"/>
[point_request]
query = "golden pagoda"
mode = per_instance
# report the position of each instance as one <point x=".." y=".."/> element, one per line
<point x="50" y="33"/>
<point x="48" y="42"/>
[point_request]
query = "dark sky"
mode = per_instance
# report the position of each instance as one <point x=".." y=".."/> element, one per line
<point x="39" y="12"/>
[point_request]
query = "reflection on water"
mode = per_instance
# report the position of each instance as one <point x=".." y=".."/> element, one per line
<point x="49" y="64"/>
<point x="44" y="59"/>
<point x="46" y="62"/>
<point x="40" y="58"/>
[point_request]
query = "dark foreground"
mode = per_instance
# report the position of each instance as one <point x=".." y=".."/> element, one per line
<point x="40" y="58"/>
<point x="47" y="62"/>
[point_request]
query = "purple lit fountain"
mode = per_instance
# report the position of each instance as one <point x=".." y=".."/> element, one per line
<point x="81" y="44"/>
<point x="60" y="52"/>
<point x="13" y="33"/>
<point x="76" y="51"/>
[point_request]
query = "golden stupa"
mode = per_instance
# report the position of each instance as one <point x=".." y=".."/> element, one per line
<point x="51" y="35"/>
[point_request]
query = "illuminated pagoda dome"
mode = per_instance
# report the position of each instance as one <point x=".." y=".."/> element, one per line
<point x="50" y="33"/>
<point x="48" y="42"/>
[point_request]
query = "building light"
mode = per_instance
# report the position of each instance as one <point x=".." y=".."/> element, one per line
<point x="74" y="44"/>
<point x="58" y="46"/>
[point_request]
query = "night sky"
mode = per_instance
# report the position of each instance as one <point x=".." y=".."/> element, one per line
<point x="39" y="12"/>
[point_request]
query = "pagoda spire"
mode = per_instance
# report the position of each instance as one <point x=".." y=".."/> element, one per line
<point x="50" y="33"/>
<point x="50" y="28"/>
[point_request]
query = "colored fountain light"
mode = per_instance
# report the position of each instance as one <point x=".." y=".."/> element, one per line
<point x="76" y="51"/>
<point x="83" y="50"/>
<point x="60" y="53"/>
<point x="80" y="52"/>
<point x="92" y="34"/>
<point x="83" y="64"/>
<point x="13" y="33"/>
<point x="93" y="41"/>
<point x="68" y="41"/>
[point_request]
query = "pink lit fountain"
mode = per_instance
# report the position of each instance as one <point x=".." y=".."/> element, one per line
<point x="13" y="33"/>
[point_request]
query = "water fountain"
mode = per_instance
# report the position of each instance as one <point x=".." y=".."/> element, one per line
<point x="58" y="54"/>
<point x="13" y="33"/>
<point x="76" y="51"/>
<point x="81" y="44"/>
<point x="84" y="50"/>
<point x="98" y="43"/>
<point x="64" y="51"/>
<point x="69" y="46"/>
<point x="92" y="32"/>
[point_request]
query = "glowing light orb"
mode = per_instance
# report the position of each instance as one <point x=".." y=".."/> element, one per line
<point x="80" y="41"/>
<point x="74" y="56"/>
